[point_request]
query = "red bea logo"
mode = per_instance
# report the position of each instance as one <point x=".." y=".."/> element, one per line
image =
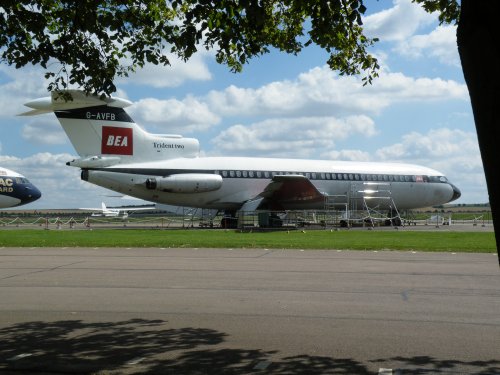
<point x="117" y="141"/>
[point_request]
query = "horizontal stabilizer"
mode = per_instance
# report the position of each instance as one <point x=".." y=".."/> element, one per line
<point x="56" y="102"/>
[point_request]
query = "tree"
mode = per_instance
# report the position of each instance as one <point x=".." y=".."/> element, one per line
<point x="89" y="43"/>
<point x="479" y="49"/>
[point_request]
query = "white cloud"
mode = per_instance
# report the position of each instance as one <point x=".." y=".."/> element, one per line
<point x="397" y="23"/>
<point x="44" y="130"/>
<point x="172" y="115"/>
<point x="322" y="92"/>
<point x="436" y="144"/>
<point x="174" y="75"/>
<point x="19" y="87"/>
<point x="441" y="43"/>
<point x="297" y="137"/>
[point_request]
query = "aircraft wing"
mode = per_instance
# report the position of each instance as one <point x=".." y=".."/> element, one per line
<point x="286" y="191"/>
<point x="138" y="208"/>
<point x="120" y="209"/>
<point x="97" y="209"/>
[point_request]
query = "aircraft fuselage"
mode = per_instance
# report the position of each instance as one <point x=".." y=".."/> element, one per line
<point x="409" y="186"/>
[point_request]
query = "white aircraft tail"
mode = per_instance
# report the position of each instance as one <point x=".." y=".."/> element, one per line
<point x="103" y="134"/>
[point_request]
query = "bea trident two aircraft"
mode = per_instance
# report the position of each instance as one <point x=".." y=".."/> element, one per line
<point x="117" y="154"/>
<point x="15" y="189"/>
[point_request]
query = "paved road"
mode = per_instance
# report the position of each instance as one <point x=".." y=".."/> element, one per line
<point x="222" y="311"/>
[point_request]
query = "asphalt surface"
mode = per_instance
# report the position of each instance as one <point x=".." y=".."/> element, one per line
<point x="223" y="311"/>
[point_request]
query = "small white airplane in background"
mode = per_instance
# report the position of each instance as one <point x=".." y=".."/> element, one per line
<point x="437" y="220"/>
<point x="15" y="189"/>
<point x="115" y="212"/>
<point x="119" y="155"/>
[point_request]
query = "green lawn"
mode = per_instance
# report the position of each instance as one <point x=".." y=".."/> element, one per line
<point x="314" y="239"/>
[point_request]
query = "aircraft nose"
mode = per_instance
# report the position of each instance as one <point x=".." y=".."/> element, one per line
<point x="456" y="193"/>
<point x="31" y="194"/>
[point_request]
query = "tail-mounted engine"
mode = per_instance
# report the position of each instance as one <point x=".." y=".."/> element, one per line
<point x="186" y="183"/>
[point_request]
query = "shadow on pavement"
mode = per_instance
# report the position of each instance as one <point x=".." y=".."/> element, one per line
<point x="142" y="346"/>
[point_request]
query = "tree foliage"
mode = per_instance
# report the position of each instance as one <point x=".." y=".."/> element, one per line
<point x="89" y="43"/>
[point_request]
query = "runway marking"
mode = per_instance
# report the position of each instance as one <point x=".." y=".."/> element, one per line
<point x="20" y="356"/>
<point x="388" y="371"/>
<point x="262" y="365"/>
<point x="135" y="361"/>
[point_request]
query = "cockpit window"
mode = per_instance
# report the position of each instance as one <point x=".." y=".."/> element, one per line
<point x="438" y="179"/>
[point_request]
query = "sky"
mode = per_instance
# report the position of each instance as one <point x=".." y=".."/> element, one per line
<point x="418" y="111"/>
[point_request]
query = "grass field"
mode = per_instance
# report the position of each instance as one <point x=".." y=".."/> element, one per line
<point x="483" y="242"/>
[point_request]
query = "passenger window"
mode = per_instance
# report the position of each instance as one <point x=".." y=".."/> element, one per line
<point x="224" y="173"/>
<point x="245" y="174"/>
<point x="259" y="174"/>
<point x="250" y="174"/>
<point x="231" y="173"/>
<point x="266" y="174"/>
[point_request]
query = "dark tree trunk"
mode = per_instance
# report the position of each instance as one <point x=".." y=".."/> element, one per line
<point x="478" y="40"/>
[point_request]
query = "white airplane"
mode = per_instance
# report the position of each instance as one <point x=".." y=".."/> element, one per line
<point x="15" y="189"/>
<point x="117" y="154"/>
<point x="115" y="212"/>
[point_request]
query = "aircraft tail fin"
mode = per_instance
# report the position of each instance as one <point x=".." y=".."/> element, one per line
<point x="103" y="134"/>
